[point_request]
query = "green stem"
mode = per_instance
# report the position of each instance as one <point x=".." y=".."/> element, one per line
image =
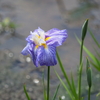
<point x="80" y="71"/>
<point x="89" y="93"/>
<point x="48" y="82"/>
<point x="81" y="52"/>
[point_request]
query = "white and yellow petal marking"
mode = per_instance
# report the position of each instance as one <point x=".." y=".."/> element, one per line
<point x="39" y="39"/>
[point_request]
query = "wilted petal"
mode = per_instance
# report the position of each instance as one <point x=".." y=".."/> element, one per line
<point x="57" y="37"/>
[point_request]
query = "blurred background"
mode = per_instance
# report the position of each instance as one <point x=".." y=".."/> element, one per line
<point x="18" y="18"/>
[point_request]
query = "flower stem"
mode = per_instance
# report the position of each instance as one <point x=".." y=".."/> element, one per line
<point x="48" y="81"/>
<point x="89" y="93"/>
<point x="80" y="71"/>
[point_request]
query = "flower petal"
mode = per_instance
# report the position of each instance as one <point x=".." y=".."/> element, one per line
<point x="28" y="39"/>
<point x="46" y="56"/>
<point x="57" y="37"/>
<point x="35" y="35"/>
<point x="25" y="51"/>
<point x="33" y="56"/>
<point x="29" y="49"/>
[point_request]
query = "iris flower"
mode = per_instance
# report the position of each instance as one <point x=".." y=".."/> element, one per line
<point x="42" y="45"/>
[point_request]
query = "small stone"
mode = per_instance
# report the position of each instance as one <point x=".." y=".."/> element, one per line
<point x="27" y="76"/>
<point x="10" y="54"/>
<point x="36" y="81"/>
<point x="28" y="59"/>
<point x="63" y="97"/>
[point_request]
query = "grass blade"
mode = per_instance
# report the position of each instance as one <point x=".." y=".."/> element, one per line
<point x="60" y="98"/>
<point x="28" y="98"/>
<point x="98" y="54"/>
<point x="63" y="71"/>
<point x="73" y="86"/>
<point x="56" y="92"/>
<point x="96" y="62"/>
<point x="68" y="91"/>
<point x="94" y="38"/>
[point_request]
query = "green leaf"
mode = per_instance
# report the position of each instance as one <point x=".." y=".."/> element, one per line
<point x="96" y="66"/>
<point x="55" y="94"/>
<point x="60" y="98"/>
<point x="98" y="54"/>
<point x="98" y="94"/>
<point x="65" y="75"/>
<point x="73" y="86"/>
<point x="96" y="61"/>
<point x="63" y="71"/>
<point x="97" y="43"/>
<point x="68" y="91"/>
<point x="28" y="98"/>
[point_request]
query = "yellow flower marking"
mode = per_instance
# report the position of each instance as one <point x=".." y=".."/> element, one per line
<point x="38" y="36"/>
<point x="47" y="38"/>
<point x="40" y="40"/>
<point x="45" y="46"/>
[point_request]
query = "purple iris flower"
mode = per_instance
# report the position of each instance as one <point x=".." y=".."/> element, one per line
<point x="42" y="45"/>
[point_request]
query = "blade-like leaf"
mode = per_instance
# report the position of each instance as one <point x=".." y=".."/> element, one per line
<point x="28" y="98"/>
<point x="95" y="66"/>
<point x="68" y="91"/>
<point x="54" y="97"/>
<point x="63" y="71"/>
<point x="97" y="43"/>
<point x="98" y="54"/>
<point x="73" y="86"/>
<point x="96" y="61"/>
<point x="60" y="98"/>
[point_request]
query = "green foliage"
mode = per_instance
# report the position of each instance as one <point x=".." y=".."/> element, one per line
<point x="55" y="94"/>
<point x="71" y="87"/>
<point x="97" y="43"/>
<point x="95" y="61"/>
<point x="84" y="29"/>
<point x="28" y="98"/>
<point x="88" y="71"/>
<point x="6" y="25"/>
<point x="70" y="90"/>
<point x="89" y="77"/>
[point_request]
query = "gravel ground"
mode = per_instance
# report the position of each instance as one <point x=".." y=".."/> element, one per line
<point x="15" y="69"/>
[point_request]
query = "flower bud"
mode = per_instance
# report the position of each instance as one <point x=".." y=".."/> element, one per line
<point x="84" y="29"/>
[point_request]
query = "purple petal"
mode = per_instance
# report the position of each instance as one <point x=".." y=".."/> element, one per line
<point x="57" y="37"/>
<point x="25" y="51"/>
<point x="29" y="49"/>
<point x="46" y="56"/>
<point x="52" y="31"/>
<point x="38" y="31"/>
<point x="33" y="56"/>
<point x="28" y="39"/>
